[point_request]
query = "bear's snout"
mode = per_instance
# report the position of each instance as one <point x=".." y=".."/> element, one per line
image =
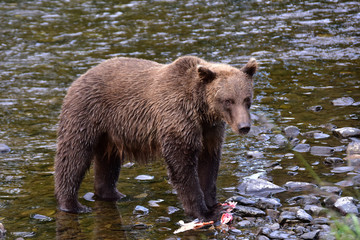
<point x="244" y="128"/>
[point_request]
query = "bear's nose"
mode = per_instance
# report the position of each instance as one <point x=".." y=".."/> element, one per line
<point x="244" y="129"/>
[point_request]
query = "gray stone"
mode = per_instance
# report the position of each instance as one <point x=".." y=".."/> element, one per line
<point x="248" y="211"/>
<point x="144" y="177"/>
<point x="286" y="216"/>
<point x="41" y="218"/>
<point x="4" y="148"/>
<point x="241" y="200"/>
<point x="266" y="203"/>
<point x="304" y="200"/>
<point x="302" y="147"/>
<point x="314" y="209"/>
<point x="310" y="235"/>
<point x="331" y="189"/>
<point x="2" y="231"/>
<point x="280" y="140"/>
<point x="303" y="216"/>
<point x="316" y="108"/>
<point x="353" y="149"/>
<point x="346" y="132"/>
<point x="280" y="235"/>
<point x="254" y="154"/>
<point x="330" y="200"/>
<point x="299" y="186"/>
<point x="321" y="220"/>
<point x="344" y="101"/>
<point x="346" y="205"/>
<point x="140" y="210"/>
<point x="272" y="214"/>
<point x="258" y="187"/>
<point x="321" y="135"/>
<point x="245" y="223"/>
<point x="322" y="151"/>
<point x="342" y="169"/>
<point x="291" y="132"/>
<point x="162" y="219"/>
<point x="262" y="237"/>
<point x="172" y="209"/>
<point x="333" y="161"/>
<point x="234" y="231"/>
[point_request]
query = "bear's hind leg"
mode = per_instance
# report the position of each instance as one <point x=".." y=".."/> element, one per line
<point x="107" y="169"/>
<point x="70" y="170"/>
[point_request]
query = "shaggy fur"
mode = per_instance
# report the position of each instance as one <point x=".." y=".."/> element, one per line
<point x="143" y="110"/>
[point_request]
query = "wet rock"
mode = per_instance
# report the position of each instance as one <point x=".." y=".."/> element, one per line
<point x="342" y="169"/>
<point x="286" y="216"/>
<point x="275" y="226"/>
<point x="299" y="186"/>
<point x="258" y="187"/>
<point x="241" y="200"/>
<point x="4" y="148"/>
<point x="281" y="235"/>
<point x="254" y="154"/>
<point x="245" y="223"/>
<point x="172" y="210"/>
<point x="346" y="132"/>
<point x="41" y="218"/>
<point x="234" y="231"/>
<point x="331" y="189"/>
<point x="155" y="203"/>
<point x="144" y="177"/>
<point x="303" y="216"/>
<point x="330" y="201"/>
<point x="280" y="140"/>
<point x="344" y="101"/>
<point x="304" y="200"/>
<point x="302" y="147"/>
<point x="316" y="108"/>
<point x="322" y="151"/>
<point x="316" y="134"/>
<point x="333" y="161"/>
<point x="353" y="153"/>
<point x="262" y="237"/>
<point x="346" y="205"/>
<point x="248" y="211"/>
<point x="89" y="196"/>
<point x="291" y="132"/>
<point x="162" y="219"/>
<point x="314" y="209"/>
<point x="272" y="214"/>
<point x="310" y="235"/>
<point x="140" y="210"/>
<point x="356" y="180"/>
<point x="266" y="203"/>
<point x="321" y="220"/>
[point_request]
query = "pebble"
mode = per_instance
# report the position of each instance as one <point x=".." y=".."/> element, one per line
<point x="162" y="219"/>
<point x="286" y="216"/>
<point x="291" y="132"/>
<point x="302" y="215"/>
<point x="245" y="223"/>
<point x="310" y="235"/>
<point x="346" y="205"/>
<point x="333" y="161"/>
<point x="299" y="186"/>
<point x="4" y="148"/>
<point x="89" y="196"/>
<point x="316" y="108"/>
<point x="314" y="209"/>
<point x="254" y="154"/>
<point x="322" y="151"/>
<point x="302" y="147"/>
<point x="258" y="187"/>
<point x="331" y="189"/>
<point x="342" y="169"/>
<point x="172" y="209"/>
<point x="144" y="177"/>
<point x="41" y="218"/>
<point x="346" y="132"/>
<point x="344" y="101"/>
<point x="248" y="211"/>
<point x="140" y="210"/>
<point x="155" y="203"/>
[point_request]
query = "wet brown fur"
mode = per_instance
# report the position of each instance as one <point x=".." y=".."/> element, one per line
<point x="143" y="110"/>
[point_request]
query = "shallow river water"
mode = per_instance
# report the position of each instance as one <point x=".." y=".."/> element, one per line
<point x="309" y="55"/>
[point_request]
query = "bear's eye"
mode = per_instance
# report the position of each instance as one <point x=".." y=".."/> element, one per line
<point x="247" y="102"/>
<point x="228" y="102"/>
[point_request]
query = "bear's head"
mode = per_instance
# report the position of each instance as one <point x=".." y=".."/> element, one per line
<point x="230" y="92"/>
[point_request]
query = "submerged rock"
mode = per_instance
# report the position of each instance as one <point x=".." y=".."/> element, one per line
<point x="316" y="108"/>
<point x="4" y="148"/>
<point x="258" y="187"/>
<point x="342" y="169"/>
<point x="344" y="101"/>
<point x="322" y="151"/>
<point x="302" y="147"/>
<point x="140" y="210"/>
<point x="346" y="132"/>
<point x="299" y="186"/>
<point x="333" y="161"/>
<point x="291" y="132"/>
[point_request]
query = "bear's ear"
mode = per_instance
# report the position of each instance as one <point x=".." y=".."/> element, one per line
<point x="205" y="73"/>
<point x="251" y="67"/>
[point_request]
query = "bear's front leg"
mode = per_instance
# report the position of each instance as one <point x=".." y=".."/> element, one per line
<point x="182" y="169"/>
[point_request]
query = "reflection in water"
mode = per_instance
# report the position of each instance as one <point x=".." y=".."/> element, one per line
<point x="107" y="224"/>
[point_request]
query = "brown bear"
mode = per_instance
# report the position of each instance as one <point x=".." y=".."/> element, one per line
<point x="142" y="110"/>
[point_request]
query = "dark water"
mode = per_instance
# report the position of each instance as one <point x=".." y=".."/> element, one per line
<point x="309" y="53"/>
